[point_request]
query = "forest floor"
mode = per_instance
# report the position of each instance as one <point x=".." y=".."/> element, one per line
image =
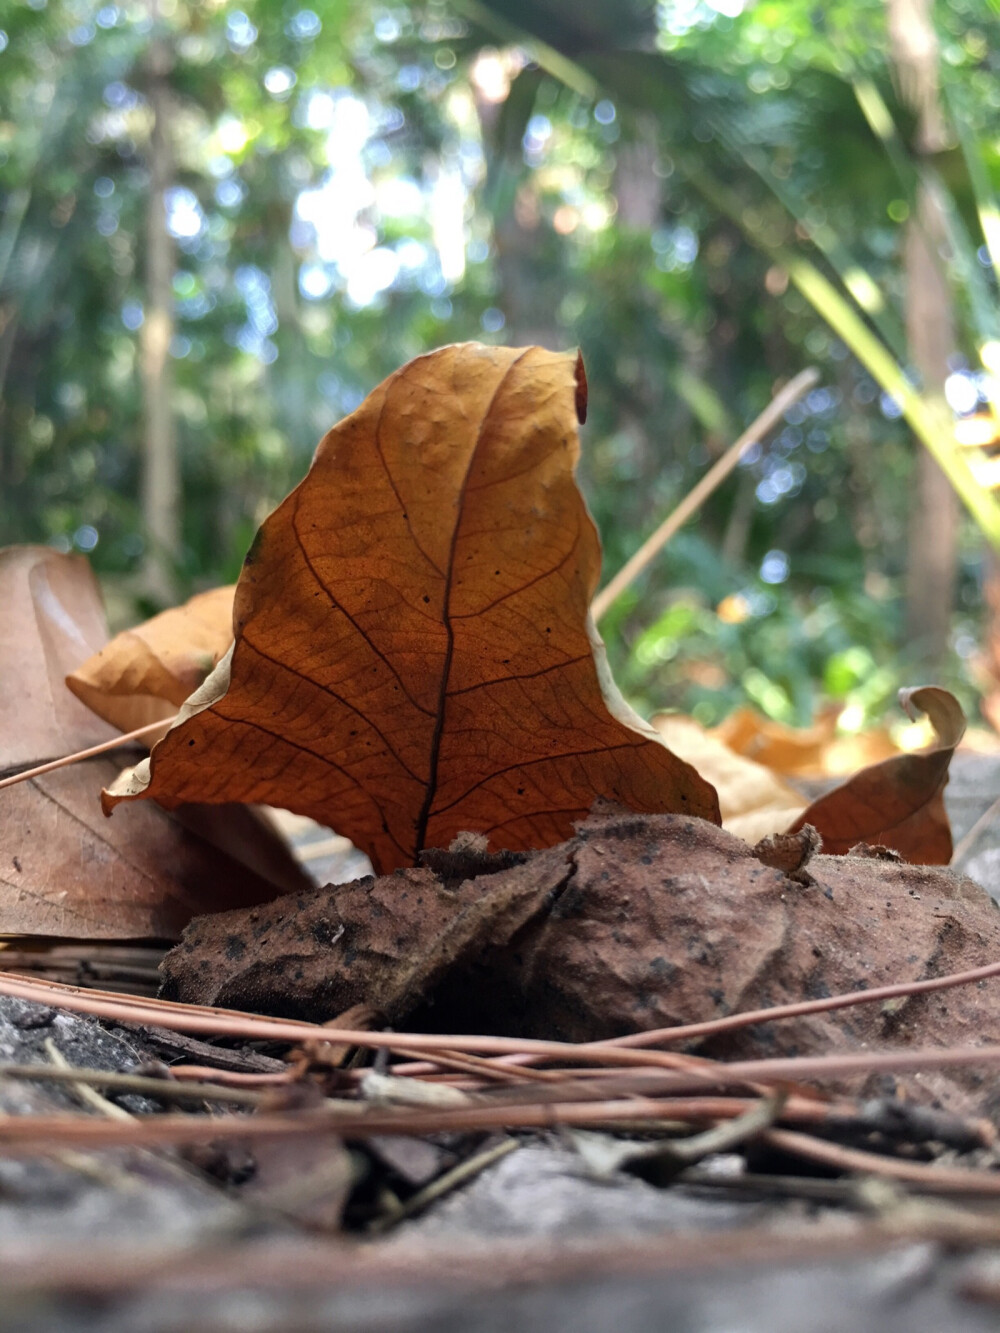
<point x="138" y="1239"/>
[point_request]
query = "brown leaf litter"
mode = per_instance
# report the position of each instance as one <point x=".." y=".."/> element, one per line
<point x="64" y="869"/>
<point x="637" y="922"/>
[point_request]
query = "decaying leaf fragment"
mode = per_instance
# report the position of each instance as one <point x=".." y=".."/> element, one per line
<point x="637" y="922"/>
<point x="414" y="655"/>
<point x="64" y="870"/>
<point x="146" y="673"/>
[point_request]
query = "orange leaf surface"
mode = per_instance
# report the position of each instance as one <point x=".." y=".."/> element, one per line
<point x="898" y="803"/>
<point x="810" y="752"/>
<point x="146" y="673"/>
<point x="414" y="655"/>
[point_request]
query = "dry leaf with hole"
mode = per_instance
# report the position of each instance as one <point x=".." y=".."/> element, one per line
<point x="145" y="674"/>
<point x="63" y="869"/>
<point x="898" y="803"/>
<point x="414" y="655"/>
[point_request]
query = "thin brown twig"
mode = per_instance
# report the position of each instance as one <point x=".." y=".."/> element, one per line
<point x="931" y="1178"/>
<point x="228" y="1022"/>
<point x="165" y="1089"/>
<point x="696" y="497"/>
<point x="712" y="1027"/>
<point x="232" y="1078"/>
<point x="89" y="753"/>
<point x="26" y="1135"/>
<point x="473" y="1064"/>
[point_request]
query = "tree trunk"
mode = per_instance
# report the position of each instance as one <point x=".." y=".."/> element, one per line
<point x="930" y="325"/>
<point x="160" y="465"/>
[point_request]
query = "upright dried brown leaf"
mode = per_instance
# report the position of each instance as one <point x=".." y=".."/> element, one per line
<point x="414" y="655"/>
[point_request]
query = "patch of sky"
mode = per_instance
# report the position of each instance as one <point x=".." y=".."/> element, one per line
<point x="774" y="567"/>
<point x="387" y="28"/>
<point x="304" y="26"/>
<point x="412" y="255"/>
<point x="185" y="219"/>
<point x="409" y="78"/>
<point x="132" y="315"/>
<point x="372" y="274"/>
<point x="315" y="281"/>
<point x="536" y="135"/>
<point x="240" y="32"/>
<point x="86" y="537"/>
<point x="961" y="389"/>
<point x="120" y="96"/>
<point x="229" y="193"/>
<point x="889" y="407"/>
<point x="279" y="82"/>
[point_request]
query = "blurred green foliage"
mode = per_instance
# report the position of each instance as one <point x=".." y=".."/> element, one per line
<point x="356" y="184"/>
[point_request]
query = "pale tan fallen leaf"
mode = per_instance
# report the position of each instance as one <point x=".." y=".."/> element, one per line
<point x="64" y="870"/>
<point x="145" y="673"/>
<point x="754" y="801"/>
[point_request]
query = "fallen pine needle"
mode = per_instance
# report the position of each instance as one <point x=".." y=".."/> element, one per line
<point x="165" y="1089"/>
<point x="877" y="994"/>
<point x="89" y="753"/>
<point x="930" y="1178"/>
<point x="444" y="1184"/>
<point x="224" y="1022"/>
<point x="27" y="1135"/>
<point x="83" y="1087"/>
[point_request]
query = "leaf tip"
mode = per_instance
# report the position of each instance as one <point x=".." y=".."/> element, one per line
<point x="581" y="389"/>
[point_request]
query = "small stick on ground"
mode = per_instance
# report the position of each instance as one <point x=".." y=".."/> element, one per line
<point x="444" y="1184"/>
<point x="695" y="498"/>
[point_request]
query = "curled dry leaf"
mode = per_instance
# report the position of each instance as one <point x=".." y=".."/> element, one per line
<point x="790" y="852"/>
<point x="52" y="618"/>
<point x="414" y="655"/>
<point x="146" y="673"/>
<point x="63" y="869"/>
<point x="898" y="803"/>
